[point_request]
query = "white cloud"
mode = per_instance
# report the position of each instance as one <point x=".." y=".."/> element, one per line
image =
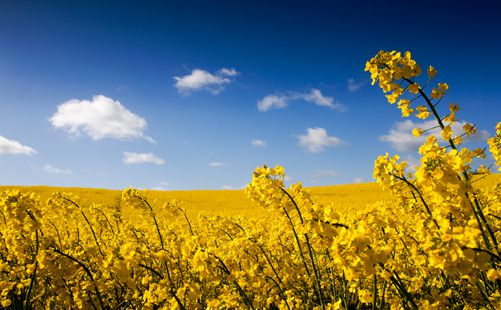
<point x="401" y="138"/>
<point x="282" y="100"/>
<point x="217" y="164"/>
<point x="228" y="72"/>
<point x="358" y="180"/>
<point x="400" y="135"/>
<point x="323" y="174"/>
<point x="227" y="187"/>
<point x="99" y="118"/>
<point x="353" y="85"/>
<point x="141" y="158"/>
<point x="316" y="140"/>
<point x="273" y="102"/>
<point x="51" y="169"/>
<point x="13" y="147"/>
<point x="316" y="97"/>
<point x="200" y="79"/>
<point x="258" y="143"/>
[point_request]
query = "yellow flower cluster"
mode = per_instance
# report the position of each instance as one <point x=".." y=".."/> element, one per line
<point x="495" y="146"/>
<point x="454" y="230"/>
<point x="435" y="245"/>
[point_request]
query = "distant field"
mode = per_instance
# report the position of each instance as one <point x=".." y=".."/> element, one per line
<point x="232" y="202"/>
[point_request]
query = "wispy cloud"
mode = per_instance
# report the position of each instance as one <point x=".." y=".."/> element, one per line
<point x="315" y="96"/>
<point x="122" y="89"/>
<point x="200" y="79"/>
<point x="215" y="164"/>
<point x="54" y="170"/>
<point x="164" y="183"/>
<point x="316" y="140"/>
<point x="227" y="187"/>
<point x="99" y="118"/>
<point x="354" y="85"/>
<point x="323" y="174"/>
<point x="258" y="143"/>
<point x="162" y="186"/>
<point x="358" y="180"/>
<point x="282" y="100"/>
<point x="228" y="72"/>
<point x="141" y="158"/>
<point x="14" y="147"/>
<point x="400" y="135"/>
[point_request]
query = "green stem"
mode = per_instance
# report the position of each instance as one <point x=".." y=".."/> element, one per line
<point x="310" y="250"/>
<point x="154" y="220"/>
<point x="89" y="273"/>
<point x="242" y="293"/>
<point x="88" y="223"/>
<point x="274" y="271"/>
<point x="420" y="197"/>
<point x="374" y="293"/>
<point x="33" y="276"/>
<point x="297" y="240"/>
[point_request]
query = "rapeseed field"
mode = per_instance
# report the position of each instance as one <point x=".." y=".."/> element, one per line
<point x="428" y="238"/>
<point x="231" y="203"/>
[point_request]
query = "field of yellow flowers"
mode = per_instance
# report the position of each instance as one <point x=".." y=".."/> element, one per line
<point x="428" y="239"/>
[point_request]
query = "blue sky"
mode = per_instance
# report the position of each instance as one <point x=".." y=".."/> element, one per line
<point x="196" y="94"/>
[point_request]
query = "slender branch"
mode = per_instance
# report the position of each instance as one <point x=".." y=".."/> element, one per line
<point x="420" y="197"/>
<point x="297" y="240"/>
<point x="88" y="223"/>
<point x="310" y="252"/>
<point x="158" y="274"/>
<point x="186" y="218"/>
<point x="87" y="270"/>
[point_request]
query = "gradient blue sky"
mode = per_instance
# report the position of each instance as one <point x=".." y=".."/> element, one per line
<point x="310" y="54"/>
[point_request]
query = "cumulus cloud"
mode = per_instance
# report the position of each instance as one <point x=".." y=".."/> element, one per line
<point x="258" y="143"/>
<point x="400" y="135"/>
<point x="141" y="158"/>
<point x="14" y="147"/>
<point x="273" y="102"/>
<point x="54" y="170"/>
<point x="353" y="85"/>
<point x="215" y="164"/>
<point x="99" y="118"/>
<point x="200" y="79"/>
<point x="316" y="140"/>
<point x="282" y="100"/>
